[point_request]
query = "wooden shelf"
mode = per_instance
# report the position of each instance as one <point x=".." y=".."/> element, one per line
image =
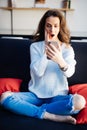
<point x="11" y="9"/>
<point x="33" y="8"/>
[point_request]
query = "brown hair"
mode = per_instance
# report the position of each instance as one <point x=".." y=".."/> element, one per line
<point x="64" y="34"/>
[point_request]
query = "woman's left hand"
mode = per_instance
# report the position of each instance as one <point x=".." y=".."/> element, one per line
<point x="54" y="53"/>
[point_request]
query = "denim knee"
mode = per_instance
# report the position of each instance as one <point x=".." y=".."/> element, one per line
<point x="63" y="105"/>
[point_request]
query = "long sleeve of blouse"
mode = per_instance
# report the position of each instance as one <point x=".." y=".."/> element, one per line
<point x="38" y="59"/>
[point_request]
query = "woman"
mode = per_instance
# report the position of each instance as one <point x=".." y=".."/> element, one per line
<point x="52" y="61"/>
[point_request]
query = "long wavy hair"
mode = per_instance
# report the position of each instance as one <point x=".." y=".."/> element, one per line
<point x="64" y="34"/>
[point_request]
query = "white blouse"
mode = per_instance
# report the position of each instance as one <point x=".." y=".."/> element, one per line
<point x="47" y="79"/>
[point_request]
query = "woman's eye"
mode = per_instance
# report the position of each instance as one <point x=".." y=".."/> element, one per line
<point x="48" y="25"/>
<point x="56" y="26"/>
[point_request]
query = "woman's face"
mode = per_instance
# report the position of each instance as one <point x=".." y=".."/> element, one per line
<point x="52" y="26"/>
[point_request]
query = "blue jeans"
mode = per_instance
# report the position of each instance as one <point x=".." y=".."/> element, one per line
<point x="27" y="103"/>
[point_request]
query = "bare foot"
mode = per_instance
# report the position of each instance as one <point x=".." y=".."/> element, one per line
<point x="58" y="118"/>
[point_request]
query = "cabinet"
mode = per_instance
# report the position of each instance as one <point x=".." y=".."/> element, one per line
<point x="33" y="8"/>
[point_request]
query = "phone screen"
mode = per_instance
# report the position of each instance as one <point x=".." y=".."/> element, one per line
<point x="54" y="43"/>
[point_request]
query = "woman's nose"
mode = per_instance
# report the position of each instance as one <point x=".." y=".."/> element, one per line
<point x="52" y="29"/>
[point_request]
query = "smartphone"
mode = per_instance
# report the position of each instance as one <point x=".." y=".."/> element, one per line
<point x="53" y="43"/>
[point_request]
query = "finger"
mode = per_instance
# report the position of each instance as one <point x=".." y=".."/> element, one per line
<point x="49" y="55"/>
<point x="50" y="50"/>
<point x="53" y="47"/>
<point x="46" y="36"/>
<point x="59" y="47"/>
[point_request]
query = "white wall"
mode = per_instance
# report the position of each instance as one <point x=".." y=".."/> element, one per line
<point x="77" y="20"/>
<point x="26" y="21"/>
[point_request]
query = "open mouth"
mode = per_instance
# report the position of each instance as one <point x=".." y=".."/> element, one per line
<point x="52" y="35"/>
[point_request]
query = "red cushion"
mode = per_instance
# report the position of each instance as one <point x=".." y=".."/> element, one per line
<point x="10" y="84"/>
<point x="80" y="89"/>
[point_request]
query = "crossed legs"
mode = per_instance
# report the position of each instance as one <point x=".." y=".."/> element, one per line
<point x="78" y="104"/>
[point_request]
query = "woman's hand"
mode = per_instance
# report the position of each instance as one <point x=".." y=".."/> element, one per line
<point x="53" y="52"/>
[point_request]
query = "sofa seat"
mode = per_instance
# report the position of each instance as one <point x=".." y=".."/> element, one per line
<point x="14" y="63"/>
